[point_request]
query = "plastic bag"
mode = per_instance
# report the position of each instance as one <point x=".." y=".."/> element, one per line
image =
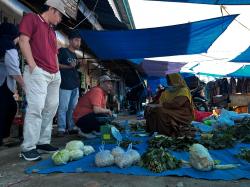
<point x="200" y="158"/>
<point x="117" y="151"/>
<point x="128" y="158"/>
<point x="225" y="117"/>
<point x="104" y="158"/>
<point x="87" y="149"/>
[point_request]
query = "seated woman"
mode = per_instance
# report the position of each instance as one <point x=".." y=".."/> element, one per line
<point x="173" y="116"/>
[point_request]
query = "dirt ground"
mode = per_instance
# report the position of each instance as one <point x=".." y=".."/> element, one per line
<point x="12" y="174"/>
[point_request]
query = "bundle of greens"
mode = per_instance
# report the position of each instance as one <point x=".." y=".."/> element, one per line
<point x="158" y="160"/>
<point x="138" y="126"/>
<point x="222" y="138"/>
<point x="173" y="143"/>
<point x="126" y="142"/>
<point x="244" y="154"/>
<point x="242" y="131"/>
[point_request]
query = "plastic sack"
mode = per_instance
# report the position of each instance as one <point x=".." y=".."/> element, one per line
<point x="134" y="155"/>
<point x="104" y="158"/>
<point x="74" y="145"/>
<point x="225" y="117"/>
<point x="87" y="149"/>
<point x="61" y="157"/>
<point x="75" y="154"/>
<point x="200" y="158"/>
<point x="127" y="159"/>
<point x="117" y="151"/>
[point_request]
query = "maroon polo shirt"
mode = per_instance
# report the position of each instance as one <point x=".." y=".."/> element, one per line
<point x="42" y="41"/>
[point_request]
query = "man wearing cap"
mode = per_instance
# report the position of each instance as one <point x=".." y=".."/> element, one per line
<point x="41" y="76"/>
<point x="69" y="88"/>
<point x="91" y="106"/>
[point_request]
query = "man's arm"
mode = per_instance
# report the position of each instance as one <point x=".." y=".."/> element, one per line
<point x="100" y="110"/>
<point x="26" y="51"/>
<point x="64" y="66"/>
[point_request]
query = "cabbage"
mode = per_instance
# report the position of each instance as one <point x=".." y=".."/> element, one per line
<point x="87" y="149"/>
<point x="60" y="157"/>
<point x="75" y="154"/>
<point x="74" y="145"/>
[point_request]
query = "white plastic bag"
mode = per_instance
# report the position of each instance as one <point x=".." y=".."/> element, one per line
<point x="200" y="158"/>
<point x="127" y="159"/>
<point x="104" y="158"/>
<point x="117" y="151"/>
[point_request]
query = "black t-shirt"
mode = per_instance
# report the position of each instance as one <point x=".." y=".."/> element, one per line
<point x="70" y="77"/>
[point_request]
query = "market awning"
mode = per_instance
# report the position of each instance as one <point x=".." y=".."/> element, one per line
<point x="104" y="14"/>
<point x="153" y="68"/>
<point x="244" y="71"/>
<point x="243" y="57"/>
<point x="189" y="38"/>
<point x="212" y="2"/>
<point x="217" y="69"/>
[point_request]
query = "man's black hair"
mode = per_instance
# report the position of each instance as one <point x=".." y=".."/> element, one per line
<point x="44" y="8"/>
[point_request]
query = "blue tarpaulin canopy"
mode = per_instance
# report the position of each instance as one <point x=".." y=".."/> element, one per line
<point x="189" y="38"/>
<point x="242" y="72"/>
<point x="243" y="57"/>
<point x="218" y="69"/>
<point x="213" y="2"/>
<point x="154" y="68"/>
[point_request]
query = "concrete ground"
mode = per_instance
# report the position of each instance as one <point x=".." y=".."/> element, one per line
<point x="12" y="174"/>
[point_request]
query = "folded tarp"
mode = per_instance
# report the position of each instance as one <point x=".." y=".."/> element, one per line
<point x="212" y="2"/>
<point x="189" y="38"/>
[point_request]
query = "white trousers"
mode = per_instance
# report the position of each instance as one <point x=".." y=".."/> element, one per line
<point x="42" y="94"/>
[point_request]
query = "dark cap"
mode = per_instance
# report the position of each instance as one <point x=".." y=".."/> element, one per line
<point x="74" y="34"/>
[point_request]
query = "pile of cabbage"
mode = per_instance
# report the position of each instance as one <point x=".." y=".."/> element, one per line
<point x="74" y="150"/>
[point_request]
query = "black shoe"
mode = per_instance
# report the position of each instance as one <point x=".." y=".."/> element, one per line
<point x="73" y="131"/>
<point x="46" y="148"/>
<point x="60" y="134"/>
<point x="31" y="155"/>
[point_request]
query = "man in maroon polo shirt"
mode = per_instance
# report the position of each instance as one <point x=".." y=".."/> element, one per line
<point x="41" y="76"/>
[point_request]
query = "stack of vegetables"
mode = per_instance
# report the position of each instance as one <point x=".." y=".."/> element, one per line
<point x="74" y="150"/>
